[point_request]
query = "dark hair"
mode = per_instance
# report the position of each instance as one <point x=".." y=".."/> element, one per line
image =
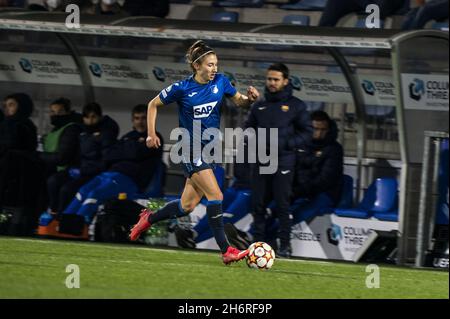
<point x="280" y="67"/>
<point x="24" y="102"/>
<point x="321" y="116"/>
<point x="66" y="103"/>
<point x="92" y="107"/>
<point x="140" y="108"/>
<point x="197" y="52"/>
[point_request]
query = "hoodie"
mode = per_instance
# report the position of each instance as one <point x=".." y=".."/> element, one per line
<point x="319" y="167"/>
<point x="18" y="132"/>
<point x="94" y="142"/>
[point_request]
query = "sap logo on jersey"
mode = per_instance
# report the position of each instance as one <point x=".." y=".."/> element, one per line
<point x="204" y="110"/>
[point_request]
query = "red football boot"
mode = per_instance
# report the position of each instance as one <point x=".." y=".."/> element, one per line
<point x="142" y="225"/>
<point x="233" y="254"/>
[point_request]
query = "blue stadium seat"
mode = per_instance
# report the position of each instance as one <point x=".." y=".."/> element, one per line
<point x="226" y="17"/>
<point x="386" y="205"/>
<point x="239" y="3"/>
<point x="346" y="200"/>
<point x="352" y="212"/>
<point x="380" y="198"/>
<point x="440" y="26"/>
<point x="386" y="195"/>
<point x="389" y="216"/>
<point x="306" y="5"/>
<point x="361" y="23"/>
<point x="296" y="19"/>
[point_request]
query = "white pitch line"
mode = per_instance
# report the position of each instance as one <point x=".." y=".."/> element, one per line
<point x="157" y="249"/>
<point x="112" y="247"/>
<point x="178" y="251"/>
<point x="160" y="263"/>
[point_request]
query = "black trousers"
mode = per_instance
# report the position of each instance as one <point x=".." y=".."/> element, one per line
<point x="265" y="188"/>
<point x="62" y="188"/>
<point x="22" y="188"/>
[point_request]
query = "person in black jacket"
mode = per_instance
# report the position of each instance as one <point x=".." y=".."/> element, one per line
<point x="98" y="133"/>
<point x="319" y="166"/>
<point x="21" y="173"/>
<point x="319" y="171"/>
<point x="61" y="148"/>
<point x="17" y="131"/>
<point x="317" y="183"/>
<point x="61" y="145"/>
<point x="131" y="170"/>
<point x="281" y="110"/>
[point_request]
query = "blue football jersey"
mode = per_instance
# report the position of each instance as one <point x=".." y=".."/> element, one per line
<point x="198" y="102"/>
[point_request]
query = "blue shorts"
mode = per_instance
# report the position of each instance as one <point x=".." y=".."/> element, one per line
<point x="190" y="168"/>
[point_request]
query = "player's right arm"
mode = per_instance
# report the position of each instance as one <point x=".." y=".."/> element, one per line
<point x="152" y="139"/>
<point x="170" y="94"/>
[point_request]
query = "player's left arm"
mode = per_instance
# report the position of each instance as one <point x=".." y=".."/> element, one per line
<point x="245" y="101"/>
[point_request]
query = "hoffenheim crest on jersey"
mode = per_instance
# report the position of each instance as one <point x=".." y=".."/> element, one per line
<point x="215" y="89"/>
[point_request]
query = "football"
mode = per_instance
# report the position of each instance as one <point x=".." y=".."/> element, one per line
<point x="260" y="256"/>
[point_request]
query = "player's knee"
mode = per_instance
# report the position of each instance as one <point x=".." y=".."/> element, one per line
<point x="216" y="196"/>
<point x="188" y="207"/>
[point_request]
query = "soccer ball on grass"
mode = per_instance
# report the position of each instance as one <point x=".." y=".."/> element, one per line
<point x="260" y="256"/>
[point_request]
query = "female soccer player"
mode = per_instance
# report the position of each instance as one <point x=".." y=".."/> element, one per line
<point x="198" y="98"/>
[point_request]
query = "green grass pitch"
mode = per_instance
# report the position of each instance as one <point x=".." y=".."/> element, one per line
<point x="31" y="268"/>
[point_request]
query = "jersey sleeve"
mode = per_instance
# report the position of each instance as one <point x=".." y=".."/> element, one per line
<point x="171" y="94"/>
<point x="228" y="88"/>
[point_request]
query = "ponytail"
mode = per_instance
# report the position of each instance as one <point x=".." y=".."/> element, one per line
<point x="197" y="52"/>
